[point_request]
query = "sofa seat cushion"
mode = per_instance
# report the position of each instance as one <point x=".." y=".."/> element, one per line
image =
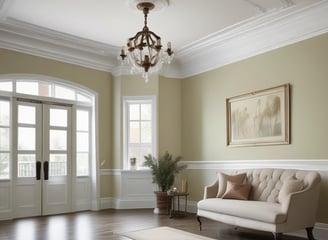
<point x="255" y="210"/>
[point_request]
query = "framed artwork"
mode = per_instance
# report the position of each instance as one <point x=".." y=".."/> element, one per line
<point x="259" y="118"/>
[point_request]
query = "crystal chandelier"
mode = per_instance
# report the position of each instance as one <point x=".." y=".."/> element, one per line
<point x="144" y="50"/>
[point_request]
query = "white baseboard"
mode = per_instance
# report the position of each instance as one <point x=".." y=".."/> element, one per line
<point x="107" y="203"/>
<point x="136" y="203"/>
<point x="116" y="203"/>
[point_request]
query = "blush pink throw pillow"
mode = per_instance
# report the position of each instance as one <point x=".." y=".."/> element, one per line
<point x="237" y="191"/>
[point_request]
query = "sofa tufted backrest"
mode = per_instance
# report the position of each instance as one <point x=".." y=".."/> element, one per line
<point x="267" y="182"/>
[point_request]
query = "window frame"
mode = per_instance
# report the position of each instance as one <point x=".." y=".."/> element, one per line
<point x="90" y="103"/>
<point x="89" y="110"/>
<point x="9" y="151"/>
<point x="127" y="100"/>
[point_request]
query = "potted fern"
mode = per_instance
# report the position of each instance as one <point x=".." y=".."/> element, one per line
<point x="163" y="171"/>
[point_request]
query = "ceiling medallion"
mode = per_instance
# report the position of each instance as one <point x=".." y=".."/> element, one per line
<point x="160" y="4"/>
<point x="144" y="50"/>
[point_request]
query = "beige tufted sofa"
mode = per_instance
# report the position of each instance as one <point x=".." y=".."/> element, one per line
<point x="263" y="211"/>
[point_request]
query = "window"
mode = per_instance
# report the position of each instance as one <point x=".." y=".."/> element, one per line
<point x="40" y="88"/>
<point x="82" y="142"/>
<point x="4" y="138"/>
<point x="139" y="129"/>
<point x="45" y="89"/>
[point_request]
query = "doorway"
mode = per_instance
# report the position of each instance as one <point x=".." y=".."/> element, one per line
<point x="42" y="158"/>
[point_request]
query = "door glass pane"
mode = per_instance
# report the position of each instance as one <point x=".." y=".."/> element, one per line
<point x="4" y="113"/>
<point x="4" y="139"/>
<point x="26" y="114"/>
<point x="6" y="86"/>
<point x="58" y="140"/>
<point x="26" y="138"/>
<point x="134" y="112"/>
<point x="65" y="93"/>
<point x="31" y="88"/>
<point x="82" y="163"/>
<point x="57" y="165"/>
<point x="146" y="111"/>
<point x="26" y="165"/>
<point x="82" y="120"/>
<point x="134" y="132"/>
<point x="58" y="117"/>
<point x="145" y="132"/>
<point x="44" y="89"/>
<point x="82" y="142"/>
<point x="83" y="98"/>
<point x="4" y="165"/>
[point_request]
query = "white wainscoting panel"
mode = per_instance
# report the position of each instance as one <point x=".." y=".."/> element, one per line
<point x="82" y="196"/>
<point x="137" y="190"/>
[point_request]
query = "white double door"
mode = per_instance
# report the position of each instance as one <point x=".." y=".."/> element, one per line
<point x="42" y="159"/>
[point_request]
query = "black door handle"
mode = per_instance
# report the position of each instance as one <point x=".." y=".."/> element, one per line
<point x="38" y="170"/>
<point x="46" y="170"/>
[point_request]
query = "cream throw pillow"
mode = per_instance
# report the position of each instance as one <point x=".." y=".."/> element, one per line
<point x="237" y="191"/>
<point x="289" y="186"/>
<point x="223" y="178"/>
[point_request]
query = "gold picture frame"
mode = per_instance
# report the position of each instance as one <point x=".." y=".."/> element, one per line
<point x="259" y="118"/>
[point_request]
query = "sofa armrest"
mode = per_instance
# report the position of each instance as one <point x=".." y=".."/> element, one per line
<point x="211" y="191"/>
<point x="301" y="207"/>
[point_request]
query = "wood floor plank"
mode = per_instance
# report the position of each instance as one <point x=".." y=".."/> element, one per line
<point x="107" y="224"/>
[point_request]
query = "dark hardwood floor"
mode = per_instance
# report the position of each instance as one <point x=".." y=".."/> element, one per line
<point x="108" y="224"/>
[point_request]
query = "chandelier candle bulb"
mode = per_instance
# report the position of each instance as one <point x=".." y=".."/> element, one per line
<point x="168" y="45"/>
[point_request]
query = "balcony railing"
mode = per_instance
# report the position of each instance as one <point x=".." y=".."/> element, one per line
<point x="27" y="169"/>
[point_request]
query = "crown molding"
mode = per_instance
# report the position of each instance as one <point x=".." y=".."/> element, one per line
<point x="270" y="30"/>
<point x="28" y="38"/>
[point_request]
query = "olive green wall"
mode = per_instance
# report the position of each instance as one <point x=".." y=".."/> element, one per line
<point x="169" y="119"/>
<point x="101" y="82"/>
<point x="303" y="65"/>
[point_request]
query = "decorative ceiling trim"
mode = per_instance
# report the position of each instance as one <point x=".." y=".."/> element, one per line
<point x="253" y="37"/>
<point x="287" y="3"/>
<point x="271" y="30"/>
<point x="259" y="7"/>
<point x="23" y="37"/>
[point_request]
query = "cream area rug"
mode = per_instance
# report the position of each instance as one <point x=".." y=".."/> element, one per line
<point x="163" y="233"/>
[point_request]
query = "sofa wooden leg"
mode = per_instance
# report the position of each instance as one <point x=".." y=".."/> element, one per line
<point x="277" y="236"/>
<point x="200" y="223"/>
<point x="309" y="232"/>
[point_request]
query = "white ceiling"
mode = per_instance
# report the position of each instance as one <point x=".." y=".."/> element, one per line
<point x="108" y="23"/>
